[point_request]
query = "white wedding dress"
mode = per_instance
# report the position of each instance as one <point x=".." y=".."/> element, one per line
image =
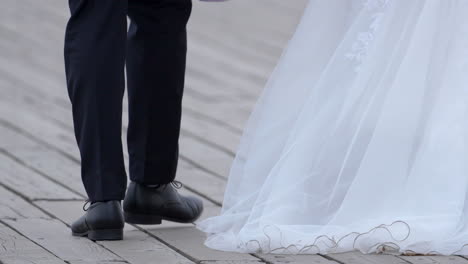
<point x="360" y="139"/>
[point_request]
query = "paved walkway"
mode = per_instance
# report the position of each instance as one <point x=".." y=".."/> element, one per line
<point x="233" y="48"/>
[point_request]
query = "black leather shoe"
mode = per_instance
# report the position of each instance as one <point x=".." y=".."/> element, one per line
<point x="145" y="205"/>
<point x="102" y="221"/>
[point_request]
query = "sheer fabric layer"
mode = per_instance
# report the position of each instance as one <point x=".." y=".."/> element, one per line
<point x="359" y="140"/>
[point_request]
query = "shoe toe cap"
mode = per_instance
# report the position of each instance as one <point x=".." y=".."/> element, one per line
<point x="196" y="206"/>
<point x="80" y="226"/>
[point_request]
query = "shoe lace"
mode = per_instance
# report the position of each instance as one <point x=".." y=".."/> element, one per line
<point x="175" y="184"/>
<point x="88" y="202"/>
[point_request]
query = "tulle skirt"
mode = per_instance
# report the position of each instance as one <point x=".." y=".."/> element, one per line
<point x="360" y="139"/>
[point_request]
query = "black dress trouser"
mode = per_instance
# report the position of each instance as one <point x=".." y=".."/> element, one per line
<point x="97" y="50"/>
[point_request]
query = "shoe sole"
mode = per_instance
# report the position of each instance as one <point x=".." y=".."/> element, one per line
<point x="142" y="219"/>
<point x="102" y="234"/>
<point x="139" y="219"/>
<point x="145" y="219"/>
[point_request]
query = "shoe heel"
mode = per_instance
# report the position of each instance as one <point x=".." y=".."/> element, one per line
<point x="106" y="234"/>
<point x="139" y="219"/>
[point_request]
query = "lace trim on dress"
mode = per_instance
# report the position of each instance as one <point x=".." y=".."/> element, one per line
<point x="361" y="46"/>
<point x="325" y="244"/>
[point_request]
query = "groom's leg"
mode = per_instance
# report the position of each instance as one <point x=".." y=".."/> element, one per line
<point x="156" y="53"/>
<point x="94" y="60"/>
